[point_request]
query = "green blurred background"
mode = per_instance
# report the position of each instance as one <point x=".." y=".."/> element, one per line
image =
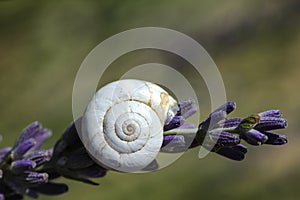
<point x="255" y="44"/>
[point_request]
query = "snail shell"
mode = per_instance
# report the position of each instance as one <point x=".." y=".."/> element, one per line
<point x="122" y="127"/>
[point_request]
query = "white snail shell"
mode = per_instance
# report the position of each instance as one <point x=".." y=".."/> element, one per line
<point x="122" y="127"/>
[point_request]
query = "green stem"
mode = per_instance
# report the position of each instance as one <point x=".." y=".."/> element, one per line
<point x="181" y="131"/>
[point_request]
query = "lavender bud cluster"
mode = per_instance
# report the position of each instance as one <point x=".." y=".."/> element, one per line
<point x="223" y="135"/>
<point x="20" y="166"/>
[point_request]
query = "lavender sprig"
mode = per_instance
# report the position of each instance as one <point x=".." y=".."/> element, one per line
<point x="20" y="166"/>
<point x="223" y="136"/>
<point x="26" y="169"/>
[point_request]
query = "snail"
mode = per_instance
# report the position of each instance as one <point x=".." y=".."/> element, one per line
<point x="122" y="126"/>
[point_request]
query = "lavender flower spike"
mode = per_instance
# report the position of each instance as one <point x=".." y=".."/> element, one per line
<point x="25" y="169"/>
<point x="22" y="167"/>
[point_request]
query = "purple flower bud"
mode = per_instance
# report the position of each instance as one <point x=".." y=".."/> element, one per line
<point x="271" y="113"/>
<point x="173" y="140"/>
<point x="187" y="126"/>
<point x="187" y="108"/>
<point x="174" y="123"/>
<point x="4" y="151"/>
<point x="254" y="137"/>
<point x="22" y="148"/>
<point x="35" y="177"/>
<point x="39" y="157"/>
<point x="174" y="144"/>
<point x="224" y="138"/>
<point x="212" y="120"/>
<point x="29" y="132"/>
<point x="51" y="188"/>
<point x="271" y="123"/>
<point x="232" y="123"/>
<point x="227" y="107"/>
<point x="235" y="153"/>
<point x="41" y="136"/>
<point x="20" y="166"/>
<point x="275" y="139"/>
<point x="218" y="138"/>
<point x="241" y="148"/>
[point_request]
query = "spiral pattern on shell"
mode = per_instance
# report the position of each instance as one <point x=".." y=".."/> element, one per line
<point x="122" y="127"/>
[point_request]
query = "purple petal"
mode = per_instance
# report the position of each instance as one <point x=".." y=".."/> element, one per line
<point x="1" y="196"/>
<point x="51" y="188"/>
<point x="240" y="147"/>
<point x="232" y="123"/>
<point x="4" y="151"/>
<point x="212" y="120"/>
<point x="174" y="123"/>
<point x="187" y="108"/>
<point x="177" y="143"/>
<point x="173" y="140"/>
<point x="22" y="148"/>
<point x="41" y="136"/>
<point x="29" y="132"/>
<point x="224" y="138"/>
<point x="227" y="107"/>
<point x="254" y="137"/>
<point x="275" y="139"/>
<point x="271" y="113"/>
<point x="217" y="139"/>
<point x="187" y="126"/>
<point x="20" y="166"/>
<point x="235" y="153"/>
<point x="271" y="123"/>
<point x="36" y="178"/>
<point x="40" y="157"/>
